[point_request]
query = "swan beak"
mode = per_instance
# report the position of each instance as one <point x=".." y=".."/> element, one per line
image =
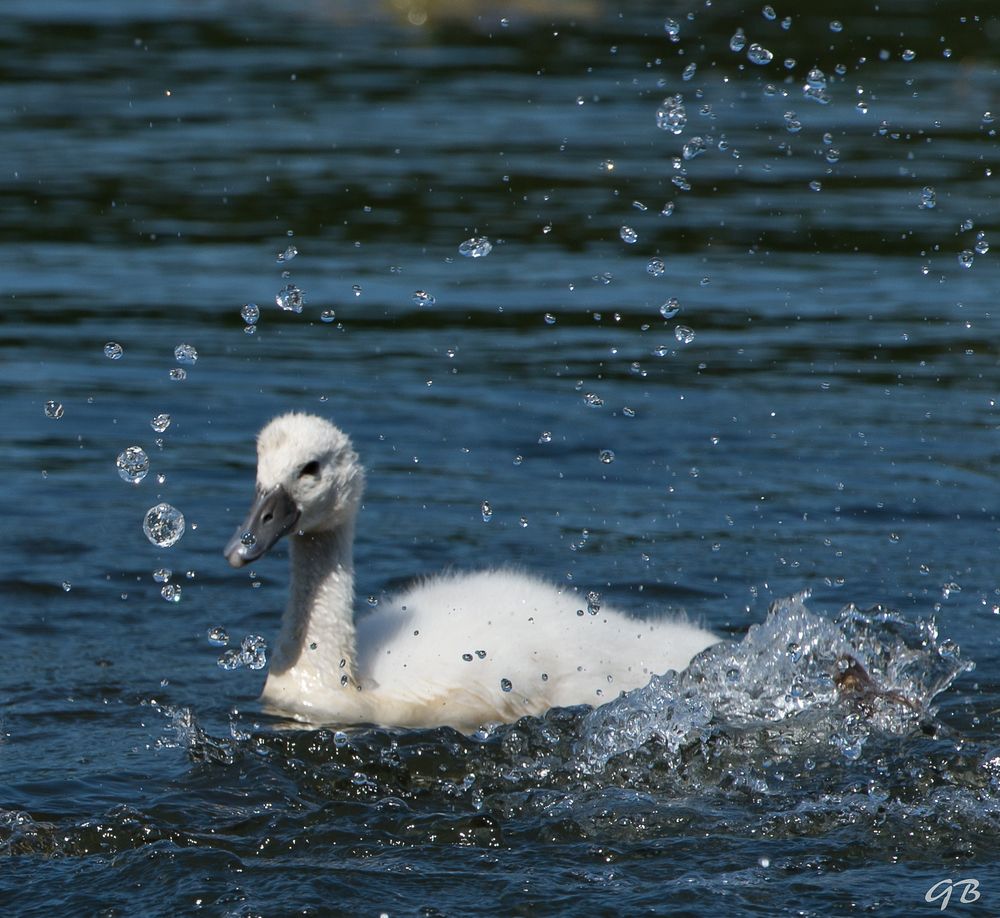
<point x="272" y="515"/>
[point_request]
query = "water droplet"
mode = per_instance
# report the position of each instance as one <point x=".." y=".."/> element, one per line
<point x="668" y="209"/>
<point x="481" y="654"/>
<point x="593" y="400"/>
<point x="982" y="245"/>
<point x="606" y="456"/>
<point x="328" y="316"/>
<point x="672" y="115"/>
<point x="545" y="436"/>
<point x="684" y="334"/>
<point x="628" y="235"/>
<point x="113" y="350"/>
<point x="769" y="14"/>
<point x="928" y="198"/>
<point x="67" y="586"/>
<point x="655" y="267"/>
<point x="694" y="147"/>
<point x="689" y="72"/>
<point x="593" y="602"/>
<point x="231" y="659"/>
<point x="670" y="308"/>
<point x="186" y="354"/>
<point x="506" y="685"/>
<point x="178" y="374"/>
<point x="133" y="464"/>
<point x="758" y="54"/>
<point x="738" y="42"/>
<point x="607" y="165"/>
<point x="163" y="525"/>
<point x="908" y="55"/>
<point x="792" y="123"/>
<point x="171" y="592"/>
<point x="628" y="412"/>
<point x="467" y="657"/>
<point x="966" y="257"/>
<point x="487" y="511"/>
<point x="290" y="298"/>
<point x="476" y="247"/>
<point x="53" y="410"/>
<point x="248" y="539"/>
<point x="836" y="26"/>
<point x="816" y="185"/>
<point x="673" y="29"/>
<point x="250" y="312"/>
<point x="218" y="636"/>
<point x="160" y="423"/>
<point x="423" y="298"/>
<point x="288" y="254"/>
<point x="253" y="650"/>
<point x="549" y="318"/>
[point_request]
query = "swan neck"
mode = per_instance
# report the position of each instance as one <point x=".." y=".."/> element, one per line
<point x="317" y="630"/>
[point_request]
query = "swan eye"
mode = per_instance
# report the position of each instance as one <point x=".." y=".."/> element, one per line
<point x="310" y="469"/>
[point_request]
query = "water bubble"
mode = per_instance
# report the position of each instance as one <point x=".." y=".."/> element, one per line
<point x="593" y="400"/>
<point x="160" y="423"/>
<point x="549" y="319"/>
<point x="467" y="657"/>
<point x="545" y="436"/>
<point x="487" y="511"/>
<point x="67" y="586"/>
<point x="758" y="54"/>
<point x="607" y="456"/>
<point x="661" y="350"/>
<point x="668" y="209"/>
<point x="607" y="165"/>
<point x="673" y="29"/>
<point x="832" y="156"/>
<point x="908" y="55"/>
<point x="966" y="257"/>
<point x="769" y="14"/>
<point x="162" y="574"/>
<point x="506" y="685"/>
<point x="684" y="334"/>
<point x="178" y="373"/>
<point x="218" y="636"/>
<point x="670" y="308"/>
<point x="655" y="267"/>
<point x="928" y="198"/>
<point x="738" y="42"/>
<point x="836" y="26"/>
<point x="628" y="235"/>
<point x="163" y="525"/>
<point x="133" y="464"/>
<point x="982" y="246"/>
<point x="816" y="185"/>
<point x="476" y="247"/>
<point x="288" y="254"/>
<point x="356" y="289"/>
<point x="113" y="350"/>
<point x="171" y="592"/>
<point x="671" y="115"/>
<point x="231" y="659"/>
<point x="966" y="226"/>
<point x="53" y="410"/>
<point x="328" y="316"/>
<point x="186" y="354"/>
<point x="290" y="298"/>
<point x="481" y="654"/>
<point x="689" y="71"/>
<point x="250" y="312"/>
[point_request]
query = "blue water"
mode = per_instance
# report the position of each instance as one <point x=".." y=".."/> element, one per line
<point x="831" y="427"/>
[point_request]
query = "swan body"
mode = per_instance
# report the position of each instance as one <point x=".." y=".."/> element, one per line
<point x="456" y="649"/>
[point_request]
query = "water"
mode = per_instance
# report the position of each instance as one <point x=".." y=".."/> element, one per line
<point x="830" y="425"/>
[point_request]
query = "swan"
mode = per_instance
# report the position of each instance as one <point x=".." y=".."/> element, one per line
<point x="457" y="649"/>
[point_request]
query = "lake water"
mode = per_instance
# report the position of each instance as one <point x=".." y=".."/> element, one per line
<point x="819" y="415"/>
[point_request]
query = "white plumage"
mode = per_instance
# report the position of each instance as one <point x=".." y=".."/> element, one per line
<point x="456" y="649"/>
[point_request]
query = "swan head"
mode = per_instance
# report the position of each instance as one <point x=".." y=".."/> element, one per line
<point x="309" y="480"/>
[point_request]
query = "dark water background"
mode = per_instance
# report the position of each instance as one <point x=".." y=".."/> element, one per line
<point x="832" y="426"/>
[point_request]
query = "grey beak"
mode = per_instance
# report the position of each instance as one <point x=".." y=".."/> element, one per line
<point x="272" y="515"/>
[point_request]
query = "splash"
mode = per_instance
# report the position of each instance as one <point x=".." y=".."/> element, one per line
<point x="833" y="682"/>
